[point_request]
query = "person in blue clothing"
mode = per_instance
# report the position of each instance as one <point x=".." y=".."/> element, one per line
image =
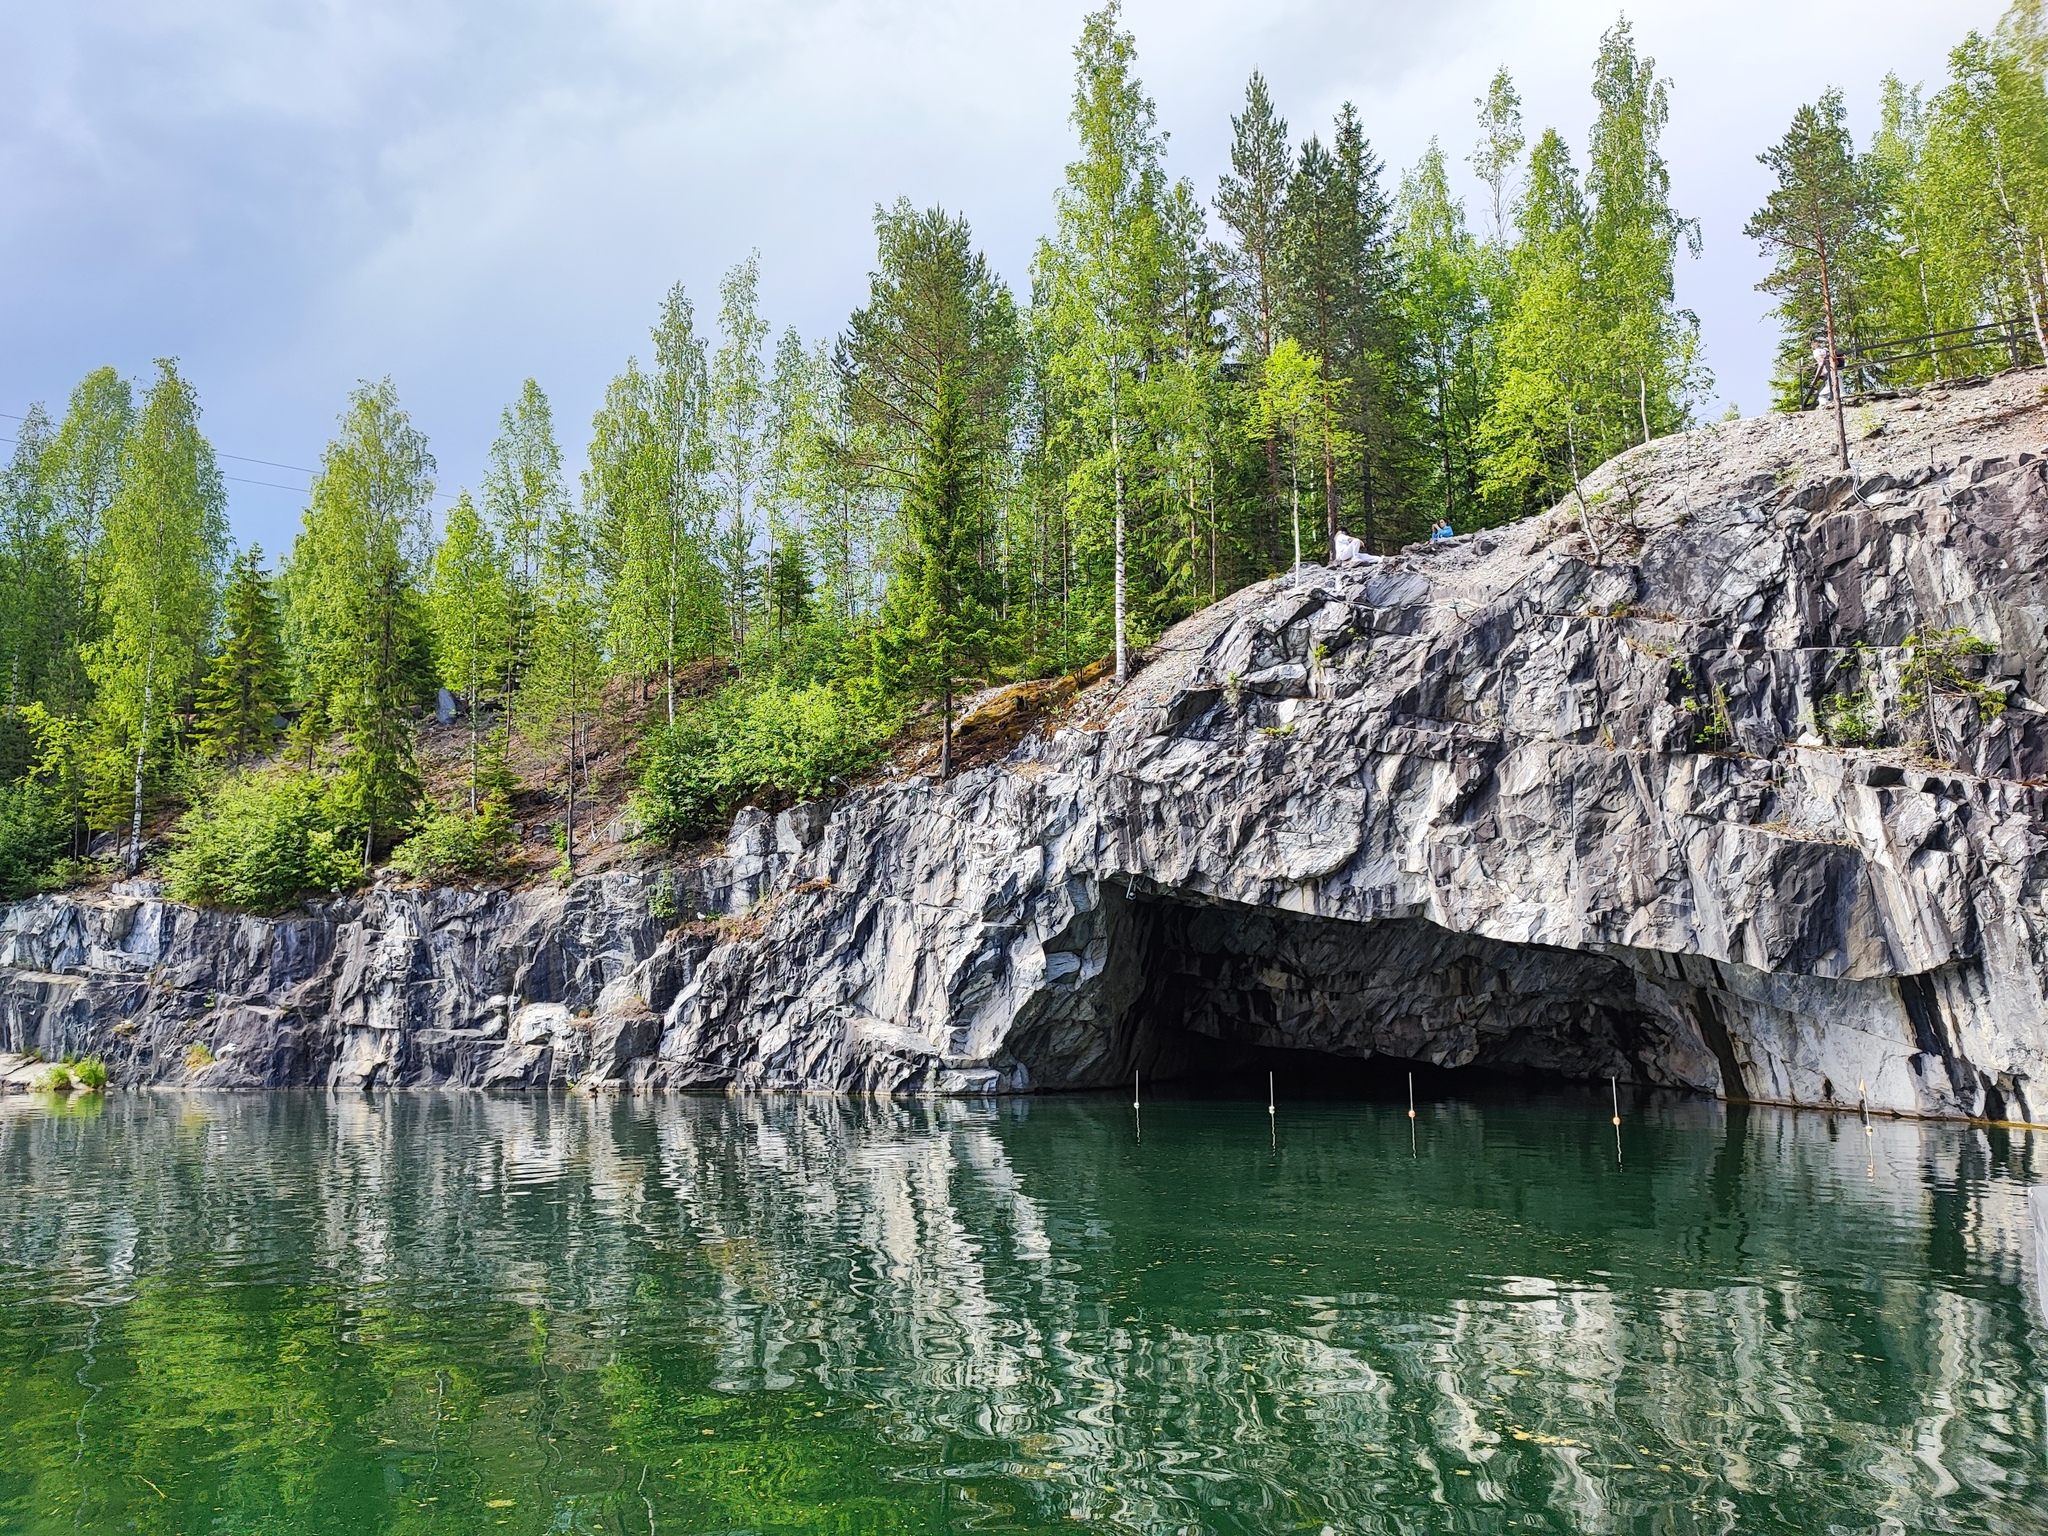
<point x="1443" y="529"/>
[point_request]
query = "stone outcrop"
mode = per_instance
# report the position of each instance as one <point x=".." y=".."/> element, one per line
<point x="1556" y="796"/>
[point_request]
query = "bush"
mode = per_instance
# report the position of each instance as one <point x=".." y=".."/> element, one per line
<point x="87" y="1075"/>
<point x="262" y="842"/>
<point x="453" y="844"/>
<point x="1849" y="720"/>
<point x="760" y="743"/>
<point x="34" y="835"/>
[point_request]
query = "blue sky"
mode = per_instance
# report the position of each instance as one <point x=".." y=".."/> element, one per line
<point x="290" y="197"/>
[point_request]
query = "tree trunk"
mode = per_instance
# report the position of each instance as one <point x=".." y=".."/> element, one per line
<point x="1329" y="494"/>
<point x="1294" y="502"/>
<point x="141" y="749"/>
<point x="569" y="815"/>
<point x="1827" y="304"/>
<point x="1365" y="532"/>
<point x="1116" y="452"/>
<point x="471" y="702"/>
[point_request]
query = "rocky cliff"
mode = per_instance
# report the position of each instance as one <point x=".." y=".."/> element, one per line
<point x="1580" y="794"/>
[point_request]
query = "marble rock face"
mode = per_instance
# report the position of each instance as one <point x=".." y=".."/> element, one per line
<point x="1648" y="787"/>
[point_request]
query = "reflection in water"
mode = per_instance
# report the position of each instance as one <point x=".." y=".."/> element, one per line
<point x="445" y="1312"/>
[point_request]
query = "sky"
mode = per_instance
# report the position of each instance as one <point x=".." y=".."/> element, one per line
<point x="290" y="197"/>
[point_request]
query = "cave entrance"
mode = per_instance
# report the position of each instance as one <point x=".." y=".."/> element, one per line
<point x="1224" y="994"/>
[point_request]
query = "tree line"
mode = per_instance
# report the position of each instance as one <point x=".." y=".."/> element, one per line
<point x="966" y="484"/>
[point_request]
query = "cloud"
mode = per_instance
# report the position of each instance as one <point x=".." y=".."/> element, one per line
<point x="460" y="193"/>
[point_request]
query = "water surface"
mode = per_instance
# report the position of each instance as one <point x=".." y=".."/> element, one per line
<point x="450" y="1313"/>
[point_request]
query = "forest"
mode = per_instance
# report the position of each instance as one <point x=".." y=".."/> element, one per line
<point x="781" y="552"/>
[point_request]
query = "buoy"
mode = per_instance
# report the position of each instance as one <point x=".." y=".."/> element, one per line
<point x="1269" y="1093"/>
<point x="1411" y="1095"/>
<point x="1134" y="1090"/>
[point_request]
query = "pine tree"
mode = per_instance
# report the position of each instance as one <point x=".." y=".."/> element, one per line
<point x="937" y="621"/>
<point x="1250" y="200"/>
<point x="1821" y="205"/>
<point x="245" y="686"/>
<point x="1445" y="312"/>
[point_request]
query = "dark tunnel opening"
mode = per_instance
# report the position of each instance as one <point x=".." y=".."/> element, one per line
<point x="1224" y="994"/>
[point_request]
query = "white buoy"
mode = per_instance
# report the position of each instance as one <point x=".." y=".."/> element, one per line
<point x="1269" y="1093"/>
<point x="1134" y="1090"/>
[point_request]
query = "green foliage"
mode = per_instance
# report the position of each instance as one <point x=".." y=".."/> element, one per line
<point x="263" y="841"/>
<point x="165" y="542"/>
<point x="83" y="1074"/>
<point x="244" y="687"/>
<point x="647" y="492"/>
<point x="1849" y="719"/>
<point x="1935" y="663"/>
<point x="453" y="843"/>
<point x="35" y="834"/>
<point x="754" y="743"/>
<point x="354" y="613"/>
<point x="470" y="608"/>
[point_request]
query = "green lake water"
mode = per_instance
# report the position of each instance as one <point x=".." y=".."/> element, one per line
<point x="429" y="1313"/>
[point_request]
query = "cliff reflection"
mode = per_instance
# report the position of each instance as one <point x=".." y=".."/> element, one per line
<point x="813" y="1314"/>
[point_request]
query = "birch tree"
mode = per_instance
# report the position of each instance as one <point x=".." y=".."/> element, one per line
<point x="165" y="539"/>
<point x="1098" y="278"/>
<point x="469" y="605"/>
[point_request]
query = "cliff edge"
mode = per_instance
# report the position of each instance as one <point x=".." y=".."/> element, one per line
<point x="1653" y="786"/>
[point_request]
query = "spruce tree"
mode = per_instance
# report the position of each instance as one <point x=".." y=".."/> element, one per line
<point x="244" y="687"/>
<point x="1250" y="200"/>
<point x="937" y="620"/>
<point x="931" y="366"/>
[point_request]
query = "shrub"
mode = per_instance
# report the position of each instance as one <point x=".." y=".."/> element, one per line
<point x="453" y="844"/>
<point x="73" y="1075"/>
<point x="759" y="743"/>
<point x="198" y="1056"/>
<point x="1849" y="720"/>
<point x="263" y="841"/>
<point x="1935" y="664"/>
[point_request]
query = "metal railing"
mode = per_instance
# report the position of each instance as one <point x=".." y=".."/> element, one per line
<point x="1966" y="352"/>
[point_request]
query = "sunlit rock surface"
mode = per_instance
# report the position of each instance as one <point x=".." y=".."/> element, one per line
<point x="1530" y="799"/>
